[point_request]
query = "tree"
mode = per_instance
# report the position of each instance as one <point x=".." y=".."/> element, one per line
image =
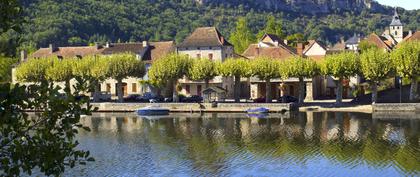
<point x="365" y="45"/>
<point x="236" y="68"/>
<point x="169" y="69"/>
<point x="46" y="142"/>
<point x="406" y="59"/>
<point x="242" y="36"/>
<point x="294" y="39"/>
<point x="61" y="71"/>
<point x="202" y="69"/>
<point x="342" y="66"/>
<point x="376" y="65"/>
<point x="93" y="69"/>
<point x="33" y="70"/>
<point x="266" y="69"/>
<point x="122" y="66"/>
<point x="272" y="26"/>
<point x="6" y="69"/>
<point x="301" y="68"/>
<point x="10" y="15"/>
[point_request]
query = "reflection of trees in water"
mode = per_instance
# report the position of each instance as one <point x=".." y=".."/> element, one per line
<point x="209" y="141"/>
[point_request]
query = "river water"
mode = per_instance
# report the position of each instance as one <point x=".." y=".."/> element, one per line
<point x="291" y="144"/>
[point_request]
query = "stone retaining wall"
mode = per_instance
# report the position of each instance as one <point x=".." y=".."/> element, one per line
<point x="193" y="107"/>
<point x="396" y="107"/>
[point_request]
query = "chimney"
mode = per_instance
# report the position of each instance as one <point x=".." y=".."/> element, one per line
<point x="285" y="41"/>
<point x="145" y="44"/>
<point x="107" y="45"/>
<point x="342" y="40"/>
<point x="410" y="33"/>
<point x="52" y="48"/>
<point x="299" y="49"/>
<point x="23" y="56"/>
<point x="222" y="40"/>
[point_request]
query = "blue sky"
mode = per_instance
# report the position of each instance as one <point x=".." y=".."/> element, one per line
<point x="407" y="4"/>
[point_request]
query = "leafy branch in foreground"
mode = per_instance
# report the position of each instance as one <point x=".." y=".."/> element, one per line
<point x="44" y="140"/>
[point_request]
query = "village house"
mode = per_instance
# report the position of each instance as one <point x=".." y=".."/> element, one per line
<point x="206" y="42"/>
<point x="274" y="47"/>
<point x="145" y="51"/>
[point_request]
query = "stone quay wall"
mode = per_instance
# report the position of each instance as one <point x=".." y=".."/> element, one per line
<point x="194" y="107"/>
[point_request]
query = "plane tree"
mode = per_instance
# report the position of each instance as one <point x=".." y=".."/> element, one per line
<point x="266" y="69"/>
<point x="236" y="68"/>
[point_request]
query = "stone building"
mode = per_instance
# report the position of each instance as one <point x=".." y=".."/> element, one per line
<point x="145" y="51"/>
<point x="209" y="43"/>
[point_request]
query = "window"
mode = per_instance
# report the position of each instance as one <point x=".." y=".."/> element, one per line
<point x="210" y="48"/>
<point x="108" y="87"/>
<point x="187" y="89"/>
<point x="198" y="48"/>
<point x="198" y="55"/>
<point x="398" y="27"/>
<point x="396" y="33"/>
<point x="134" y="87"/>
<point x="210" y="56"/>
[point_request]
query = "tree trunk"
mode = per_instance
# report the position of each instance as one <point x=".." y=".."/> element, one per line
<point x="96" y="92"/>
<point x="206" y="83"/>
<point x="339" y="96"/>
<point x="413" y="89"/>
<point x="120" y="91"/>
<point x="301" y="90"/>
<point x="67" y="87"/>
<point x="283" y="96"/>
<point x="268" y="97"/>
<point x="237" y="86"/>
<point x="175" y="97"/>
<point x="374" y="92"/>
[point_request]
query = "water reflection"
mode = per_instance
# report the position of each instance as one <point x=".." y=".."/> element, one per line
<point x="300" y="144"/>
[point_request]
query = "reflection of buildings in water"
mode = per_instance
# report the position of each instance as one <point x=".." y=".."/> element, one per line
<point x="333" y="128"/>
<point x="393" y="134"/>
<point x="353" y="132"/>
<point x="309" y="127"/>
<point x="245" y="126"/>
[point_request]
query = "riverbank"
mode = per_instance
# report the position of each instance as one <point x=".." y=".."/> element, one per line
<point x="314" y="106"/>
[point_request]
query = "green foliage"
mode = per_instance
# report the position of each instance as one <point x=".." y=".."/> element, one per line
<point x="406" y="59"/>
<point x="168" y="68"/>
<point x="294" y="39"/>
<point x="375" y="64"/>
<point x="272" y="26"/>
<point x="202" y="69"/>
<point x="265" y="68"/>
<point x="235" y="67"/>
<point x="301" y="67"/>
<point x="10" y="15"/>
<point x="342" y="65"/>
<point x="242" y="37"/>
<point x="33" y="70"/>
<point x="364" y="45"/>
<point x="61" y="70"/>
<point x="121" y="66"/>
<point x="46" y="141"/>
<point x="6" y="69"/>
<point x="92" y="67"/>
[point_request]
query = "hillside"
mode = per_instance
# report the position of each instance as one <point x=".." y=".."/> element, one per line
<point x="82" y="22"/>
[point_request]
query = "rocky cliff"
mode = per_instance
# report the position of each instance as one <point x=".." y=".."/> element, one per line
<point x="303" y="6"/>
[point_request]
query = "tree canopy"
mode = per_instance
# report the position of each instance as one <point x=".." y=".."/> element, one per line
<point x="33" y="70"/>
<point x="242" y="36"/>
<point x="202" y="69"/>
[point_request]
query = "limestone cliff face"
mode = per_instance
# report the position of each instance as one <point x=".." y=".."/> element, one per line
<point x="303" y="6"/>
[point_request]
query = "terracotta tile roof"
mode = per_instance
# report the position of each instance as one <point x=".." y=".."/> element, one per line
<point x="414" y="36"/>
<point x="379" y="41"/>
<point x="338" y="47"/>
<point x="205" y="37"/>
<point x="113" y="48"/>
<point x="280" y="52"/>
<point x="67" y="52"/>
<point x="159" y="49"/>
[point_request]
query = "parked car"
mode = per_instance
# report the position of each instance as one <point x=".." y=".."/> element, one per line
<point x="148" y="97"/>
<point x="193" y="99"/>
<point x="289" y="99"/>
<point x="259" y="100"/>
<point x="105" y="96"/>
<point x="132" y="98"/>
